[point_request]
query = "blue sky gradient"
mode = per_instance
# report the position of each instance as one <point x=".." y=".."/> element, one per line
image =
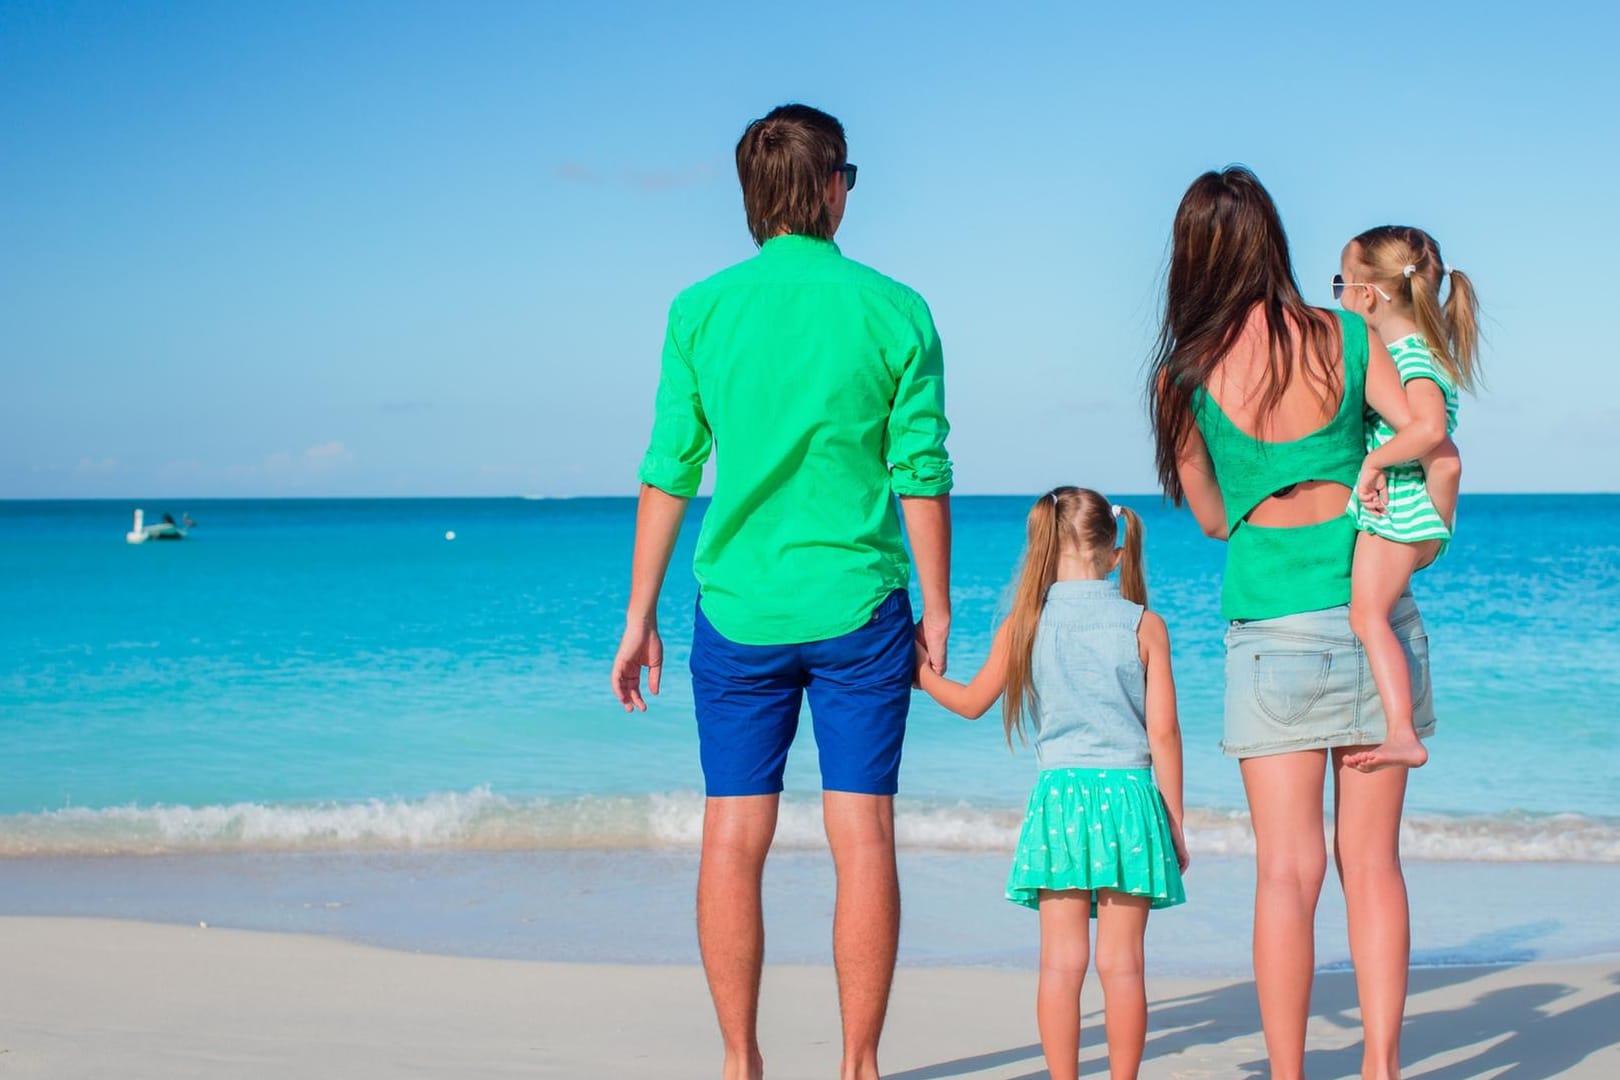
<point x="427" y="248"/>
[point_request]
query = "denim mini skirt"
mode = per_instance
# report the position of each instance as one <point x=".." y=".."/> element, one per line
<point x="1301" y="682"/>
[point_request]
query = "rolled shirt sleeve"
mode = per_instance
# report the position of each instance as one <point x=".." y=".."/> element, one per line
<point x="917" y="425"/>
<point x="681" y="440"/>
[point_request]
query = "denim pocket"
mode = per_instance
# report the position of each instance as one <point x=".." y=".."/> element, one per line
<point x="1287" y="684"/>
<point x="1416" y="648"/>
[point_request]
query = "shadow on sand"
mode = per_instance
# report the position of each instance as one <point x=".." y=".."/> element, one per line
<point x="1525" y="1037"/>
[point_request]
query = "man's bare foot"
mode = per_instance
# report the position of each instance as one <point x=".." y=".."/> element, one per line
<point x="1402" y="751"/>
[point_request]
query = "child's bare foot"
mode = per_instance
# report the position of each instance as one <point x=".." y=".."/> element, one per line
<point x="1403" y="751"/>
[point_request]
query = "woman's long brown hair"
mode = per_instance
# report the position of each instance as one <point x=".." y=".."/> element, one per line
<point x="1228" y="255"/>
<point x="1064" y="519"/>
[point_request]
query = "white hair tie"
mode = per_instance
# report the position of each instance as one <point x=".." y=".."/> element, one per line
<point x="1116" y="510"/>
<point x="1410" y="270"/>
<point x="1447" y="268"/>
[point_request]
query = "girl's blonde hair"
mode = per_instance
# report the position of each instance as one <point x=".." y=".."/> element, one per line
<point x="1405" y="262"/>
<point x="1071" y="519"/>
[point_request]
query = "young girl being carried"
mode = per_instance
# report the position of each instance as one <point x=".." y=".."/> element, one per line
<point x="1089" y="666"/>
<point x="1391" y="277"/>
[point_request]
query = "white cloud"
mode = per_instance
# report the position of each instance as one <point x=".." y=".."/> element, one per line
<point x="327" y="455"/>
<point x="287" y="468"/>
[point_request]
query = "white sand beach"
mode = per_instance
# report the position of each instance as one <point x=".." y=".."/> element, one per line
<point x="93" y="998"/>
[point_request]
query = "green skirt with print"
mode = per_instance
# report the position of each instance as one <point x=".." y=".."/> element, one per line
<point x="1091" y="829"/>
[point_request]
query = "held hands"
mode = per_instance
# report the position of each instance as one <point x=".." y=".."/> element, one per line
<point x="1371" y="487"/>
<point x="640" y="647"/>
<point x="933" y="631"/>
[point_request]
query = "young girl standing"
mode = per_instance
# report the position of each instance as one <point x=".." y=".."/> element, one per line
<point x="1089" y="666"/>
<point x="1406" y="496"/>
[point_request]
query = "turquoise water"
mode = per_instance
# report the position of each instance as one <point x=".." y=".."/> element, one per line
<point x="337" y="674"/>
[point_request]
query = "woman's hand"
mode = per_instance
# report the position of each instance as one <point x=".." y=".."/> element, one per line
<point x="1371" y="486"/>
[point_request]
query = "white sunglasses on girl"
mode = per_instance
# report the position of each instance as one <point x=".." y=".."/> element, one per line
<point x="1339" y="285"/>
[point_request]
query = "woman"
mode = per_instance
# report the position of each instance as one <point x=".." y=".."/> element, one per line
<point x="1258" y="402"/>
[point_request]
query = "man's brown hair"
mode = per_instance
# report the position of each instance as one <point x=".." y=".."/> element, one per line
<point x="784" y="161"/>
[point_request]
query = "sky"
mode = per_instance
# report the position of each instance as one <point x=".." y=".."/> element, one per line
<point x="421" y="249"/>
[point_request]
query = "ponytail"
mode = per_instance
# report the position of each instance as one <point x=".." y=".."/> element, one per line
<point x="1034" y="579"/>
<point x="1462" y="325"/>
<point x="1431" y="320"/>
<point x="1132" y="582"/>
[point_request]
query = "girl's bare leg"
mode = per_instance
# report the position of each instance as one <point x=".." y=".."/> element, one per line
<point x="1381" y="574"/>
<point x="1121" y="922"/>
<point x="1285" y="806"/>
<point x="1065" y="951"/>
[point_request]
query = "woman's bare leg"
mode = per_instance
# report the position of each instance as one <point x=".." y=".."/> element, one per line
<point x="1285" y="807"/>
<point x="1366" y="847"/>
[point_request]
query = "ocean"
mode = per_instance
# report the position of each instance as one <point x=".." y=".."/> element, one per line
<point x="335" y="680"/>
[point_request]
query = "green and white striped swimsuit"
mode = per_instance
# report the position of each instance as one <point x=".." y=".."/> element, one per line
<point x="1411" y="516"/>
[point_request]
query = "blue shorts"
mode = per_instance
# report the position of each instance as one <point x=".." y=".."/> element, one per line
<point x="748" y="699"/>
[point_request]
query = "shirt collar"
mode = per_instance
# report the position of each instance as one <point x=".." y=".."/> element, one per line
<point x="1083" y="587"/>
<point x="798" y="244"/>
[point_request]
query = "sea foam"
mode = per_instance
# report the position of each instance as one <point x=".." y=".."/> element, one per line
<point x="481" y="819"/>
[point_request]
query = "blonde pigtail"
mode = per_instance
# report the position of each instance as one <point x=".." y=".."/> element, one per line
<point x="1462" y="326"/>
<point x="1034" y="579"/>
<point x="1132" y="579"/>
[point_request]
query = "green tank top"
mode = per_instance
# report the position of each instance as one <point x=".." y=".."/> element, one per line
<point x="1272" y="572"/>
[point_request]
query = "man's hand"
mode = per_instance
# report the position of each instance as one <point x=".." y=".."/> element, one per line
<point x="1370" y="487"/>
<point x="934" y="631"/>
<point x="640" y="647"/>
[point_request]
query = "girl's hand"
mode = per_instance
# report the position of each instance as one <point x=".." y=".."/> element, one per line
<point x="1371" y="485"/>
<point x="1180" y="841"/>
<point x="919" y="656"/>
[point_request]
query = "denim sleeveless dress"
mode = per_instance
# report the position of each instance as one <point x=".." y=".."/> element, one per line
<point x="1095" y="818"/>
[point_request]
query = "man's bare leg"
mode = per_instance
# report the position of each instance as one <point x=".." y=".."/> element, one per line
<point x="866" y="923"/>
<point x="737" y="834"/>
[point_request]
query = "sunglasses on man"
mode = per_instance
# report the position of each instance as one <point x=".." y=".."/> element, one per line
<point x="1339" y="285"/>
<point x="849" y="175"/>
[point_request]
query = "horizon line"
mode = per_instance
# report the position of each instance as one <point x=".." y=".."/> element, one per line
<point x="586" y="497"/>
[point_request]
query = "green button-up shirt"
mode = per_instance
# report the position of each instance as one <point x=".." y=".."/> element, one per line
<point x="822" y="383"/>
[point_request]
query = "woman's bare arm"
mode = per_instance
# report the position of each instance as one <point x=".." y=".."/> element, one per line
<point x="1197" y="473"/>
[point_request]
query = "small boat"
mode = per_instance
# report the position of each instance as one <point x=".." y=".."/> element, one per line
<point x="163" y="530"/>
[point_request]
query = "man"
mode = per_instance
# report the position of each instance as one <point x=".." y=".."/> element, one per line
<point x="822" y="383"/>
